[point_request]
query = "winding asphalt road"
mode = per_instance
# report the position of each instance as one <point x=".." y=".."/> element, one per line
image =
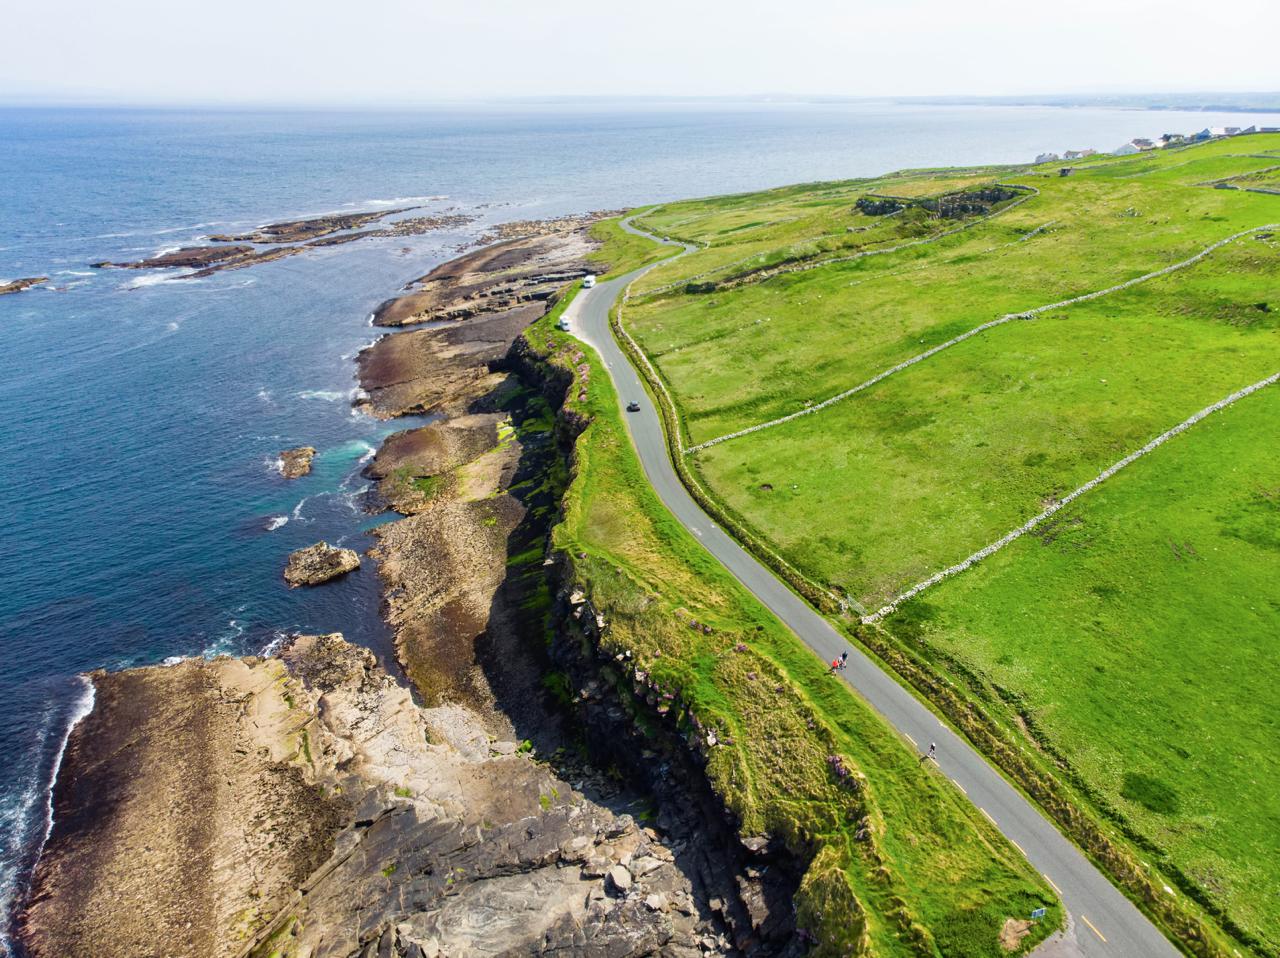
<point x="1102" y="921"/>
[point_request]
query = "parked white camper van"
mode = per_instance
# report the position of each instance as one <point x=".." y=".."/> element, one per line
<point x="588" y="281"/>
<point x="564" y="324"/>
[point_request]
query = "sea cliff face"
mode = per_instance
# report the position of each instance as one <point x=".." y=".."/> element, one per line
<point x="309" y="804"/>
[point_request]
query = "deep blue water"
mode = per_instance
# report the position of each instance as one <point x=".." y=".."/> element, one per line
<point x="142" y="418"/>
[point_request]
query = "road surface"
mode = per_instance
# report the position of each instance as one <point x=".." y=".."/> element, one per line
<point x="1102" y="921"/>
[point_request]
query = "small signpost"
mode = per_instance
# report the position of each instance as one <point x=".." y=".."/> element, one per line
<point x="1038" y="913"/>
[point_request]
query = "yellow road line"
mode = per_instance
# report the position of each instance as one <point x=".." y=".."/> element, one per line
<point x="959" y="786"/>
<point x="989" y="818"/>
<point x="1052" y="883"/>
<point x="1093" y="929"/>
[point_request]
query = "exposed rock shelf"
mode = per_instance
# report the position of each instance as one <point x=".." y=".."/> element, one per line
<point x="306" y="806"/>
<point x="319" y="563"/>
<point x="296" y="463"/>
<point x="18" y="285"/>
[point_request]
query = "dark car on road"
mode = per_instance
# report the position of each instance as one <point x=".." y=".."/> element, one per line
<point x="633" y="406"/>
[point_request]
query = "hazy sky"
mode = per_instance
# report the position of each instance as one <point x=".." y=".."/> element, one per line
<point x="405" y="51"/>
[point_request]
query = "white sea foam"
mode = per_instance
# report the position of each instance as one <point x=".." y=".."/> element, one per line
<point x="152" y="279"/>
<point x="369" y="453"/>
<point x="297" y="510"/>
<point x="264" y="394"/>
<point x="174" y="660"/>
<point x="273" y="646"/>
<point x="328" y="395"/>
<point x="356" y="393"/>
<point x="369" y="345"/>
<point x="173" y="327"/>
<point x="82" y="707"/>
<point x="401" y="200"/>
<point x="275" y="522"/>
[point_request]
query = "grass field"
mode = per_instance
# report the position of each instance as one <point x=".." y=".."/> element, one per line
<point x="1140" y="631"/>
<point x="929" y="876"/>
<point x="1075" y="628"/>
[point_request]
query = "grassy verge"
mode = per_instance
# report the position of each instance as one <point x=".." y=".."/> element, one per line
<point x="622" y="251"/>
<point x="901" y="863"/>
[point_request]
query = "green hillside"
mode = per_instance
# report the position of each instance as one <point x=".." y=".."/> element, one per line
<point x="951" y="353"/>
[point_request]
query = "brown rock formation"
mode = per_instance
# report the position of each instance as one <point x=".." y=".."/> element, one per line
<point x="298" y="231"/>
<point x="305" y="806"/>
<point x="493" y="279"/>
<point x="189" y="257"/>
<point x="296" y="463"/>
<point x="318" y="564"/>
<point x="18" y="285"/>
<point x="185" y="815"/>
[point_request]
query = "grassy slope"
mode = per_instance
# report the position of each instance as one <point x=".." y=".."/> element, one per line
<point x="739" y="357"/>
<point x="947" y="456"/>
<point x="622" y="252"/>
<point x="950" y="454"/>
<point x="934" y="878"/>
<point x="1140" y="633"/>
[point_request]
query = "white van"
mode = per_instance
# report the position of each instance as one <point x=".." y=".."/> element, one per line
<point x="564" y="324"/>
<point x="588" y="281"/>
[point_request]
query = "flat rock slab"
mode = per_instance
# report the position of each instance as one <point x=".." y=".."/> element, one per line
<point x="319" y="563"/>
<point x="295" y="463"/>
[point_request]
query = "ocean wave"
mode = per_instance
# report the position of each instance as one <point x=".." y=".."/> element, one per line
<point x="152" y="279"/>
<point x="272" y="646"/>
<point x="328" y="395"/>
<point x="296" y="513"/>
<point x="26" y="814"/>
<point x="401" y="200"/>
<point x="357" y="393"/>
<point x="369" y="453"/>
<point x="369" y="345"/>
<point x="79" y="710"/>
<point x="265" y="395"/>
<point x="173" y="327"/>
<point x="275" y="522"/>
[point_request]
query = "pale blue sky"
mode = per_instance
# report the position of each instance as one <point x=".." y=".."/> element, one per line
<point x="397" y="52"/>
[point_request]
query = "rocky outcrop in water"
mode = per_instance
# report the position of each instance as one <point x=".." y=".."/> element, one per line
<point x="18" y="285"/>
<point x="319" y="563"/>
<point x="296" y="463"/>
<point x="298" y="231"/>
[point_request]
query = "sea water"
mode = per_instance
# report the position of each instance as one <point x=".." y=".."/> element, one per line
<point x="143" y="514"/>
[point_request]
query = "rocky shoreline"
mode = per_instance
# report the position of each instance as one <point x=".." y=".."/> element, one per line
<point x="272" y="242"/>
<point x="18" y="285"/>
<point x="309" y="805"/>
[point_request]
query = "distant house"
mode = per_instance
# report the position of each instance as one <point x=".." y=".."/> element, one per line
<point x="1136" y="145"/>
<point x="1209" y="132"/>
<point x="1232" y="130"/>
<point x="1170" y="139"/>
<point x="1047" y="158"/>
<point x="1078" y="154"/>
